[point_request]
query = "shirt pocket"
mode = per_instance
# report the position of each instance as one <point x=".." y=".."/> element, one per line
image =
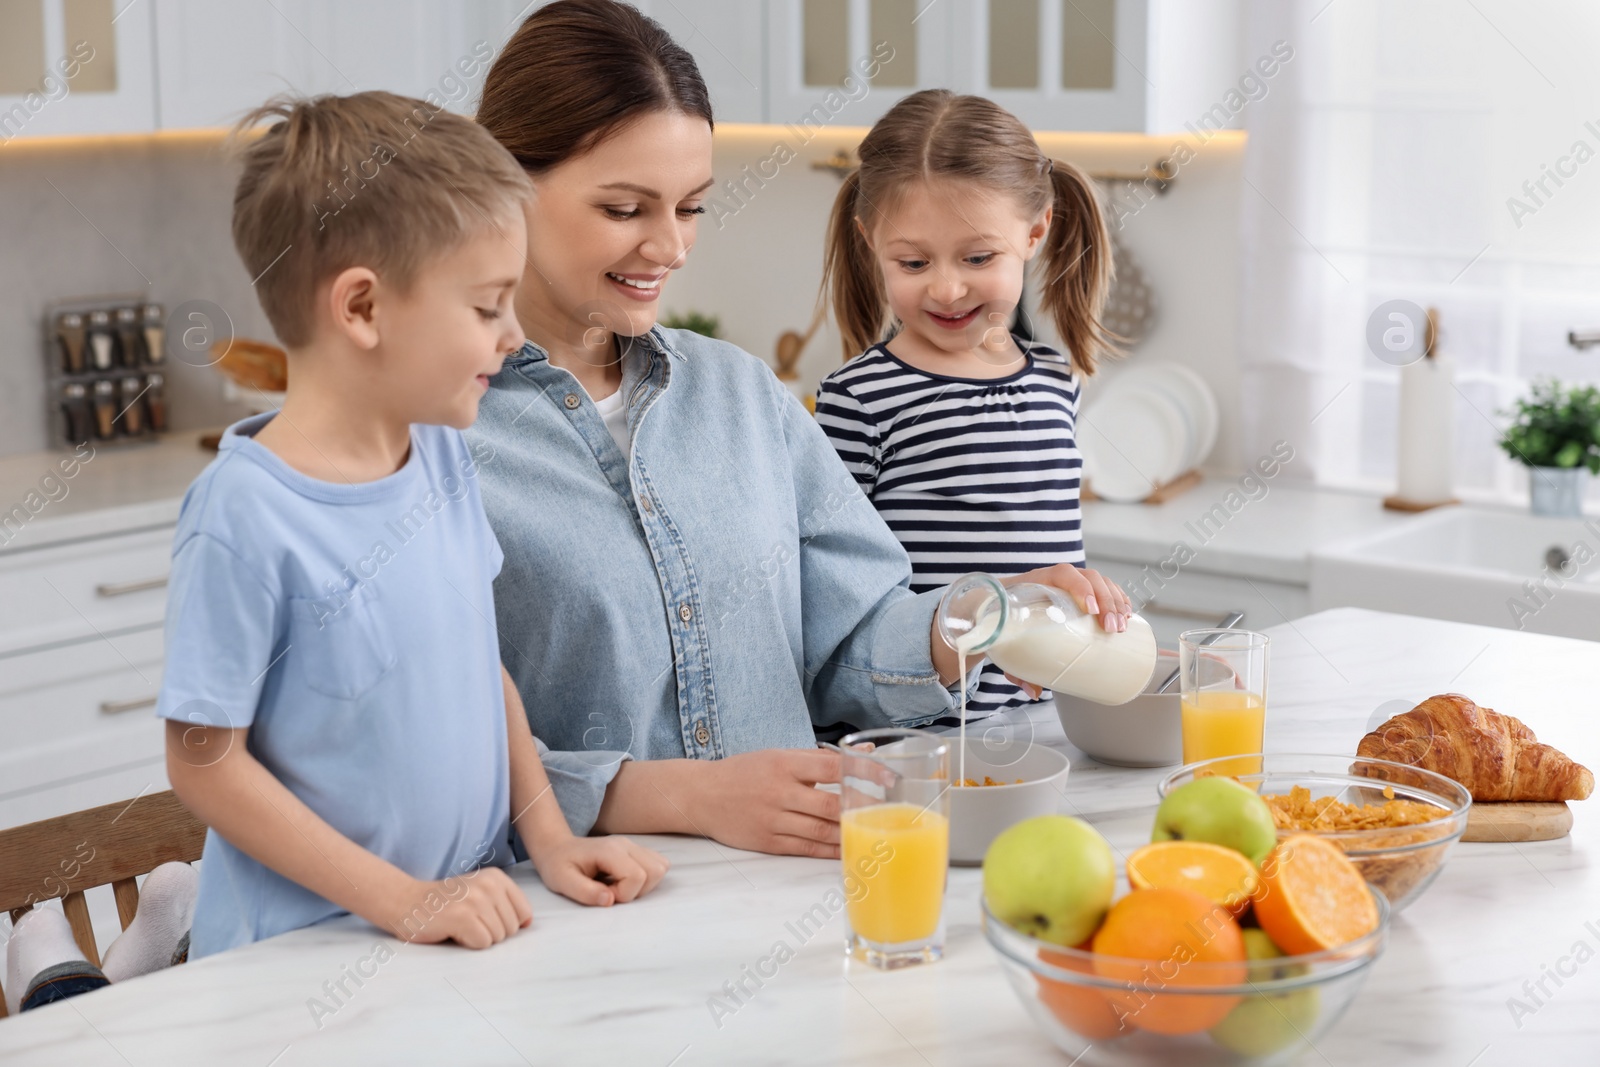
<point x="342" y="649"/>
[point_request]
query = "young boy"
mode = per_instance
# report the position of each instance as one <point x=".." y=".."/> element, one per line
<point x="337" y="712"/>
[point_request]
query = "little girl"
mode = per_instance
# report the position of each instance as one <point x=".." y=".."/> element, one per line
<point x="959" y="431"/>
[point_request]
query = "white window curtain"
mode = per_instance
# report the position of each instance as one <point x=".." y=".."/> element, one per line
<point x="1445" y="152"/>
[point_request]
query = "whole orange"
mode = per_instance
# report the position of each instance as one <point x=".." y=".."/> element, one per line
<point x="1082" y="1009"/>
<point x="1161" y="940"/>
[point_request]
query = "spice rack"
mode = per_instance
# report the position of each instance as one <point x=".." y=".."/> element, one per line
<point x="106" y="360"/>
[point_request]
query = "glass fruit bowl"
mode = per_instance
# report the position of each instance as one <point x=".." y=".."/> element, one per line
<point x="1116" y="1012"/>
<point x="1402" y="861"/>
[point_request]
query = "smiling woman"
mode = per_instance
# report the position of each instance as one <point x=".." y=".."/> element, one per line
<point x="641" y="476"/>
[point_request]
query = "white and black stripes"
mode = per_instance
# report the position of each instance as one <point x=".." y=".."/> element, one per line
<point x="970" y="474"/>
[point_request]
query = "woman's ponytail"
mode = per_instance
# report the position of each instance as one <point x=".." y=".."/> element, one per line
<point x="850" y="278"/>
<point x="1077" y="268"/>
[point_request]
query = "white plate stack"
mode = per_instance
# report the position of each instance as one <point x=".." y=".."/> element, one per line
<point x="1151" y="424"/>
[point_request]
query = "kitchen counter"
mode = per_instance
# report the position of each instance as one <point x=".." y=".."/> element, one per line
<point x="113" y="490"/>
<point x="1269" y="537"/>
<point x="634" y="984"/>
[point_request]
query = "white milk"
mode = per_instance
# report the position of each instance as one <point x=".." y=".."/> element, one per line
<point x="1073" y="655"/>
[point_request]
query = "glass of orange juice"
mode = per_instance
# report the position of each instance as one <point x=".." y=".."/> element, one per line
<point x="1224" y="697"/>
<point x="895" y="845"/>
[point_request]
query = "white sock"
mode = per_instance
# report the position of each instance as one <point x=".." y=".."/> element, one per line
<point x="42" y="938"/>
<point x="166" y="910"/>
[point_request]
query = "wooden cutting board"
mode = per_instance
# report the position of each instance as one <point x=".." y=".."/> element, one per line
<point x="1515" y="820"/>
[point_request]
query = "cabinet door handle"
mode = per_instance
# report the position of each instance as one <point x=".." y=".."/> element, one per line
<point x="117" y="707"/>
<point x="109" y="589"/>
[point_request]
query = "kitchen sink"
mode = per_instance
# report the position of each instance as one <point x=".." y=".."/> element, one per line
<point x="1494" y="568"/>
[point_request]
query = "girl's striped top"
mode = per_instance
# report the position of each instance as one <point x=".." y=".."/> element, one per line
<point x="970" y="474"/>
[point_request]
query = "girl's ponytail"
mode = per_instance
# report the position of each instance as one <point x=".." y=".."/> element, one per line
<point x="1077" y="268"/>
<point x="850" y="278"/>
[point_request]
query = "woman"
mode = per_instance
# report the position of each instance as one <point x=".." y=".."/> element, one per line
<point x="694" y="587"/>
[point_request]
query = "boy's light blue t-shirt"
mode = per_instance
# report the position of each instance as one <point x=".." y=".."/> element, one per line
<point x="352" y="629"/>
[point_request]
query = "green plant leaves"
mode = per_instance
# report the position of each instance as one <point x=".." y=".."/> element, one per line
<point x="1555" y="426"/>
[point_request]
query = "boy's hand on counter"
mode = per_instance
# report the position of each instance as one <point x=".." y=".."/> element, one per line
<point x="600" y="871"/>
<point x="475" y="910"/>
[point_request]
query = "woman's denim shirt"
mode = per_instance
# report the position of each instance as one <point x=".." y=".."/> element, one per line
<point x="723" y="588"/>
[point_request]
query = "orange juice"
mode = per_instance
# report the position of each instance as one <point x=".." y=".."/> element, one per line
<point x="896" y="857"/>
<point x="1224" y="722"/>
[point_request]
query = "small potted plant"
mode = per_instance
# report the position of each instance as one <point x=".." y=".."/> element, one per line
<point x="695" y="322"/>
<point x="1555" y="433"/>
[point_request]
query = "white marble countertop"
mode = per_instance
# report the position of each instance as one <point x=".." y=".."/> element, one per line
<point x="129" y="487"/>
<point x="1268" y="536"/>
<point x="631" y="985"/>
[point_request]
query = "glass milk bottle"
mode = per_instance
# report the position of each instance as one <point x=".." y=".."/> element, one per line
<point x="1036" y="633"/>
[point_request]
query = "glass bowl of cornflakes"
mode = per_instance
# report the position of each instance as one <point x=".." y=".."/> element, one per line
<point x="1397" y="823"/>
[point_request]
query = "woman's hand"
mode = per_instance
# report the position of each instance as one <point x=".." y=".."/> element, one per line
<point x="1090" y="590"/>
<point x="600" y="871"/>
<point x="767" y="801"/>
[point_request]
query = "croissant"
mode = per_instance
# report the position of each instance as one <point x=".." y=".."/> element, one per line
<point x="1495" y="756"/>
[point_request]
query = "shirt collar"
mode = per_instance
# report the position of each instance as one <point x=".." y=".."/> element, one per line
<point x="655" y="339"/>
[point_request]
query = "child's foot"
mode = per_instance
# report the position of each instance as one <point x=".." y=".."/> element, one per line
<point x="42" y="952"/>
<point x="160" y="925"/>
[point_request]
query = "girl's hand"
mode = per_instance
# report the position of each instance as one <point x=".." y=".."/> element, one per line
<point x="1090" y="590"/>
<point x="600" y="871"/>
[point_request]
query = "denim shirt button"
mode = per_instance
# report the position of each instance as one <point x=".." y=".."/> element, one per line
<point x="644" y="503"/>
<point x="702" y="735"/>
<point x="685" y="612"/>
<point x="572" y="401"/>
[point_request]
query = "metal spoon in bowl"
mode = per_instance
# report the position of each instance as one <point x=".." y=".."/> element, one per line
<point x="1233" y="619"/>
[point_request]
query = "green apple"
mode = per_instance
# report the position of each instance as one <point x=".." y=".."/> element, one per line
<point x="1271" y="1022"/>
<point x="1220" y="811"/>
<point x="1268" y="1023"/>
<point x="1258" y="946"/>
<point x="1050" y="877"/>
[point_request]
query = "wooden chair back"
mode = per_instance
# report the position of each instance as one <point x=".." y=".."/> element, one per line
<point x="112" y="844"/>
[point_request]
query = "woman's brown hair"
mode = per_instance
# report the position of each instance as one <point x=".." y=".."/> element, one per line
<point x="936" y="134"/>
<point x="577" y="71"/>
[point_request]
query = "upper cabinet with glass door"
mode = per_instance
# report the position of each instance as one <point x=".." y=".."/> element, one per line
<point x="1142" y="66"/>
<point x="846" y="62"/>
<point x="75" y="67"/>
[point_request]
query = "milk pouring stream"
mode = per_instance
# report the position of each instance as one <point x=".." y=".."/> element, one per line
<point x="1036" y="633"/>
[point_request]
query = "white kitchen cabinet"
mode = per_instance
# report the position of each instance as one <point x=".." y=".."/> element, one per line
<point x="79" y="590"/>
<point x="728" y="41"/>
<point x="221" y="59"/>
<point x="846" y="62"/>
<point x="1141" y="66"/>
<point x="75" y="67"/>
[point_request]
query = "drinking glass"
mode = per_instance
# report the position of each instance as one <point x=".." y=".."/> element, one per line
<point x="895" y="845"/>
<point x="1223" y="677"/>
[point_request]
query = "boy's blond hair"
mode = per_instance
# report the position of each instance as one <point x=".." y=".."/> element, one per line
<point x="372" y="179"/>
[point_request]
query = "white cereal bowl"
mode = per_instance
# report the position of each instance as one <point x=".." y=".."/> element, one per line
<point x="978" y="814"/>
<point x="1147" y="731"/>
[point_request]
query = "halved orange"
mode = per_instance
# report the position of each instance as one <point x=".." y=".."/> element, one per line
<point x="1312" y="897"/>
<point x="1221" y="875"/>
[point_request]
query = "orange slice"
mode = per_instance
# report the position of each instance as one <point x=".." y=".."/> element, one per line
<point x="1221" y="875"/>
<point x="1312" y="897"/>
